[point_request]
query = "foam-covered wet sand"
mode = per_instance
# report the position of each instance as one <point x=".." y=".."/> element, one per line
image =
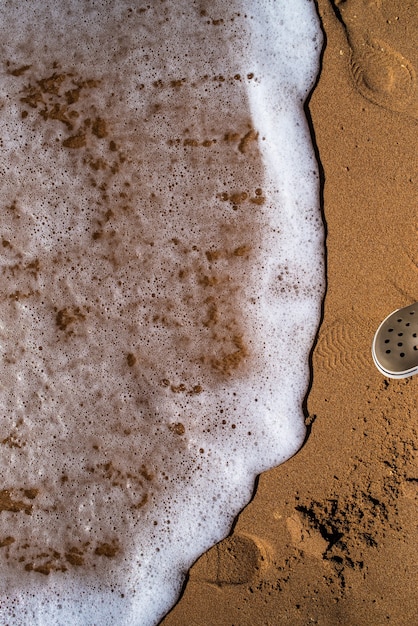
<point x="162" y="277"/>
<point x="330" y="536"/>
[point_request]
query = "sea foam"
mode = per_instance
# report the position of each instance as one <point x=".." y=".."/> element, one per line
<point x="162" y="275"/>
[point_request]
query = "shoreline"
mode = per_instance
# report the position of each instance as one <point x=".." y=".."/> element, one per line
<point x="329" y="536"/>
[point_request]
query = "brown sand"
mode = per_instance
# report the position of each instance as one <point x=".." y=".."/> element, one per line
<point x="330" y="536"/>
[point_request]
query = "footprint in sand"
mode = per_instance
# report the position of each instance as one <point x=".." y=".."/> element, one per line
<point x="380" y="73"/>
<point x="306" y="539"/>
<point x="383" y="75"/>
<point x="237" y="560"/>
<point x="342" y="344"/>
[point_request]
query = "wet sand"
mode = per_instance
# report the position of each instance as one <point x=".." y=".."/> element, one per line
<point x="330" y="536"/>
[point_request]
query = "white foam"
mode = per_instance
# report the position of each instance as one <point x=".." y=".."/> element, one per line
<point x="161" y="277"/>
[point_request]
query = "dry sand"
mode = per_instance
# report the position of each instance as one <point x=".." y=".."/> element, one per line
<point x="330" y="536"/>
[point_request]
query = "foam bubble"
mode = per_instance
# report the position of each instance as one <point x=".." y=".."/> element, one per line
<point x="161" y="255"/>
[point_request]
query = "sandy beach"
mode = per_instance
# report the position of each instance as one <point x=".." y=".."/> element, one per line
<point x="163" y="283"/>
<point x="330" y="536"/>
